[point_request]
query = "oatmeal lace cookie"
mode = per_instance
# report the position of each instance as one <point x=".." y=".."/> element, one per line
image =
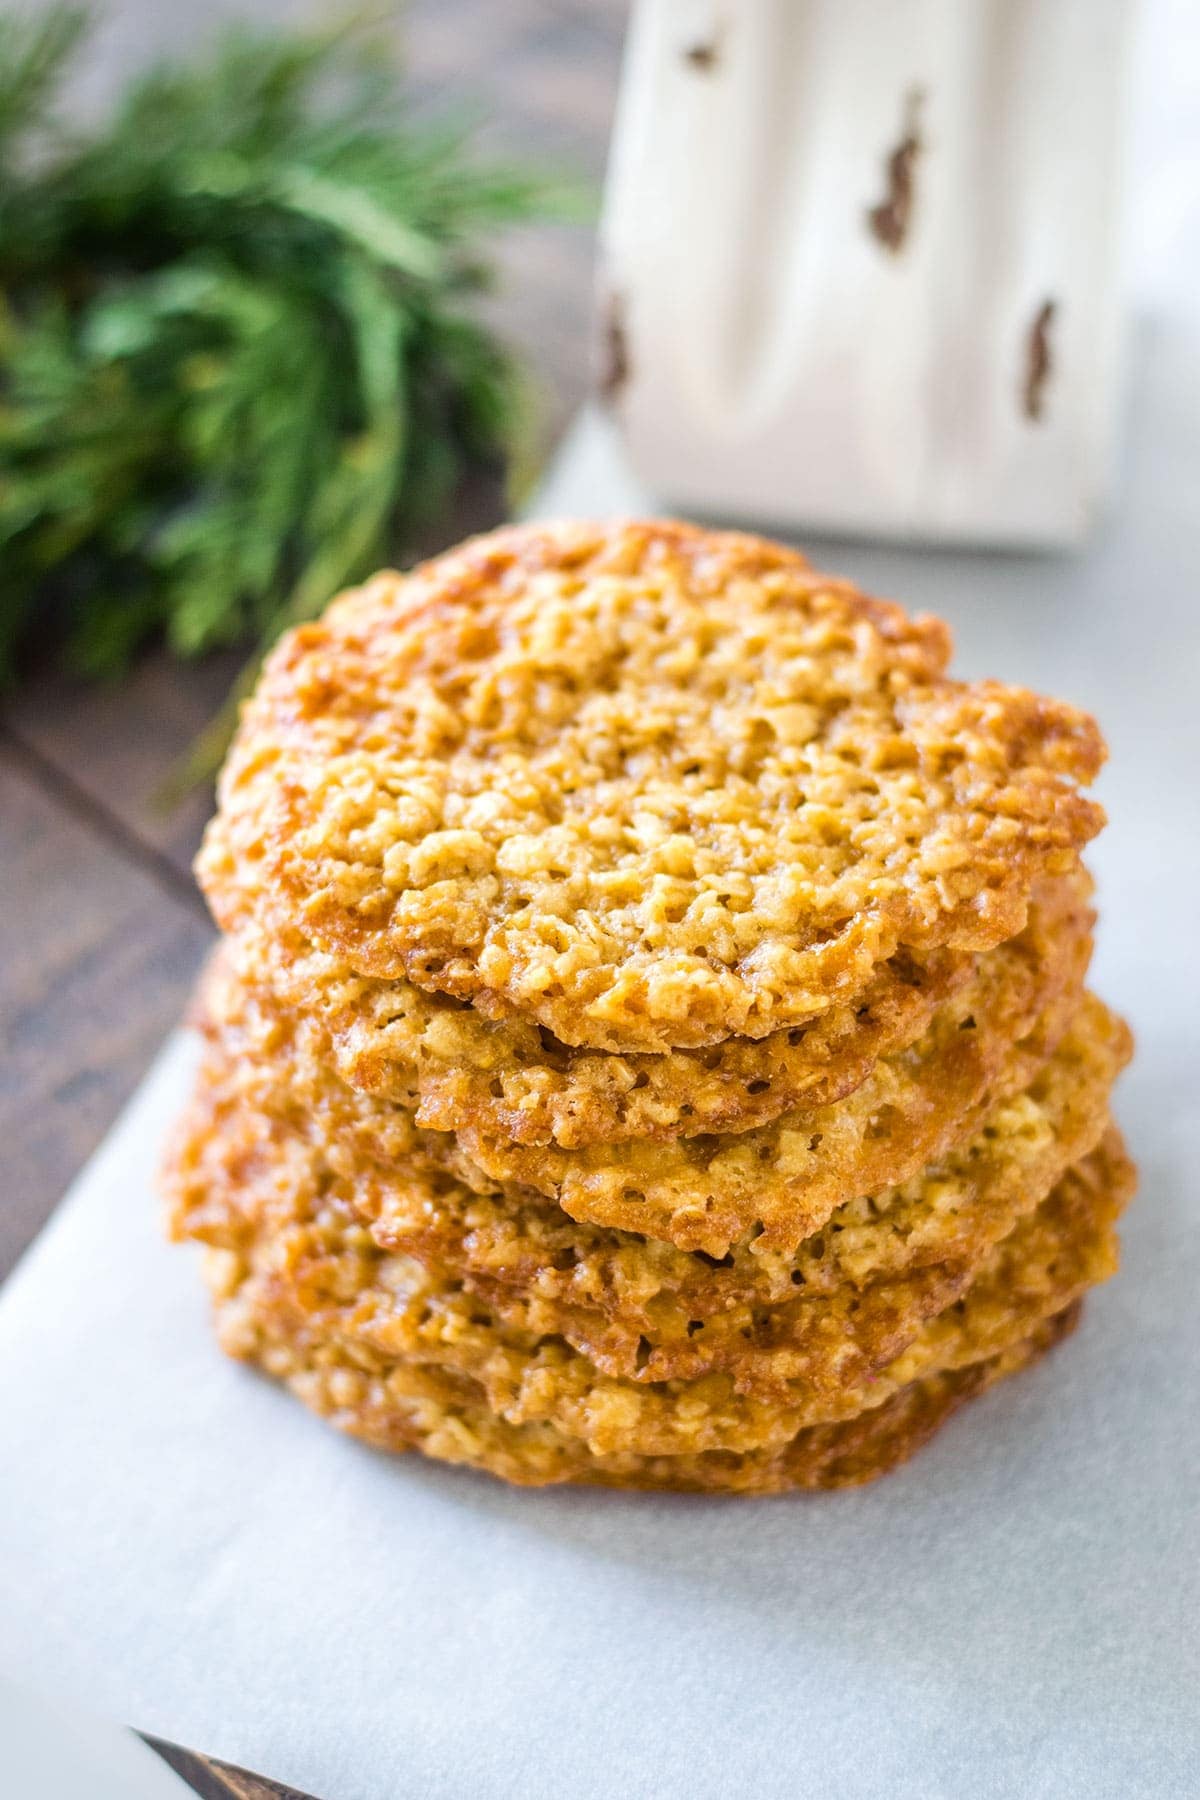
<point x="509" y="1079"/>
<point x="704" y="1193"/>
<point x="699" y="1193"/>
<point x="325" y="1273"/>
<point x="647" y="785"/>
<point x="445" y="1416"/>
<point x="848" y="1300"/>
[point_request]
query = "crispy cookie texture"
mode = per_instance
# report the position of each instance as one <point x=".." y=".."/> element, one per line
<point x="401" y="1406"/>
<point x="325" y="1274"/>
<point x="831" y="1342"/>
<point x="269" y="1126"/>
<point x="786" y="1178"/>
<point x="405" y="1407"/>
<point x="510" y="1080"/>
<point x="702" y="1193"/>
<point x="647" y="785"/>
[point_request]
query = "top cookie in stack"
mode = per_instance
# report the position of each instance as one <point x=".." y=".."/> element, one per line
<point x="640" y="876"/>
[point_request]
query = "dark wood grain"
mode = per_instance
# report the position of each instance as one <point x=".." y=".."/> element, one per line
<point x="101" y="928"/>
<point x="96" y="953"/>
<point x="112" y="742"/>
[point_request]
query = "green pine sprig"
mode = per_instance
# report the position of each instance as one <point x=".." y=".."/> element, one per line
<point x="240" y="360"/>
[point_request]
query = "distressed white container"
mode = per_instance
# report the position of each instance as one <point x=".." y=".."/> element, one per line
<point x="771" y="356"/>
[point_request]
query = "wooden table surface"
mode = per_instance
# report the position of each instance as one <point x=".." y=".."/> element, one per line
<point x="101" y="926"/>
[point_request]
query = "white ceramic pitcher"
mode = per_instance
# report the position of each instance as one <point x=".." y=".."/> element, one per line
<point x="859" y="261"/>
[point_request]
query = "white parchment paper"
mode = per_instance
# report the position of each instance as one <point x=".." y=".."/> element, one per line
<point x="1017" y="1613"/>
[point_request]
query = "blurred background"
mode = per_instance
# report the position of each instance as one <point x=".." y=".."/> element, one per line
<point x="120" y="646"/>
<point x="101" y="927"/>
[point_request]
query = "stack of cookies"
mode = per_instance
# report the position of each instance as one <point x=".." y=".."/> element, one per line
<point x="649" y="1043"/>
